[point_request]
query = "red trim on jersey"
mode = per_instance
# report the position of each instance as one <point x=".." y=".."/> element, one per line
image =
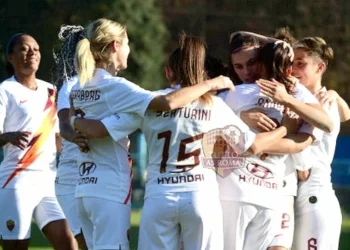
<point x="130" y="191"/>
<point x="38" y="140"/>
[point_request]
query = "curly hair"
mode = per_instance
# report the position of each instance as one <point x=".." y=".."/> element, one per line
<point x="70" y="35"/>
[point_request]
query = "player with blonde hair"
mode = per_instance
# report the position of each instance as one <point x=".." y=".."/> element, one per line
<point x="105" y="213"/>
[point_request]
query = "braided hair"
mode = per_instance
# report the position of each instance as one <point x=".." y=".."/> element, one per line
<point x="70" y="35"/>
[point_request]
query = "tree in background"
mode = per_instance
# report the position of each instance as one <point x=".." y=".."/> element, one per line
<point x="43" y="18"/>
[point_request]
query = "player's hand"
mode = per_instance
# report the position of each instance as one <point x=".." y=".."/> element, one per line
<point x="221" y="82"/>
<point x="327" y="97"/>
<point x="82" y="142"/>
<point x="273" y="89"/>
<point x="18" y="138"/>
<point x="303" y="175"/>
<point x="257" y="119"/>
<point x="291" y="121"/>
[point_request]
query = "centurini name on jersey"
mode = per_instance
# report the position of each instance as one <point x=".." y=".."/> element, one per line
<point x="188" y="113"/>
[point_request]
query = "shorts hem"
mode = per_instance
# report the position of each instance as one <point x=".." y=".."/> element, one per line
<point x="46" y="222"/>
<point x="13" y="237"/>
<point x="111" y="247"/>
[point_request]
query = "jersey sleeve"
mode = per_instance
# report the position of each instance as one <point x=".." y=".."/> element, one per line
<point x="231" y="98"/>
<point x="121" y="125"/>
<point x="3" y="108"/>
<point x="63" y="98"/>
<point x="127" y="97"/>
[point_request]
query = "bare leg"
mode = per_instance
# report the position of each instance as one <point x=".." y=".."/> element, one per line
<point x="60" y="236"/>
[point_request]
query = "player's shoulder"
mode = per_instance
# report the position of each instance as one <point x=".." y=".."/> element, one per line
<point x="303" y="94"/>
<point x="8" y="83"/>
<point x="102" y="77"/>
<point x="240" y="93"/>
<point x="244" y="89"/>
<point x="300" y="89"/>
<point x="218" y="103"/>
<point x="164" y="91"/>
<point x="42" y="83"/>
<point x="68" y="85"/>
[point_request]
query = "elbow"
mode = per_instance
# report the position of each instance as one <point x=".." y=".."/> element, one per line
<point x="328" y="128"/>
<point x="162" y="103"/>
<point x="169" y="104"/>
<point x="345" y="118"/>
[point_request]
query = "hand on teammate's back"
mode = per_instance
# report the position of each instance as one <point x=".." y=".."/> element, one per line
<point x="221" y="82"/>
<point x="327" y="97"/>
<point x="273" y="89"/>
<point x="291" y="121"/>
<point x="256" y="118"/>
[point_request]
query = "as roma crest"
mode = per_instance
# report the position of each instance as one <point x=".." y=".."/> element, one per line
<point x="10" y="224"/>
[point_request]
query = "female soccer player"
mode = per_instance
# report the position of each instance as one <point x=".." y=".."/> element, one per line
<point x="67" y="170"/>
<point x="105" y="212"/>
<point x="181" y="184"/>
<point x="249" y="196"/>
<point x="315" y="196"/>
<point x="318" y="214"/>
<point x="27" y="173"/>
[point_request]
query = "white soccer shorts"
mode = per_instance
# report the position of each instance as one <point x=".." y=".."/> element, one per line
<point x="284" y="236"/>
<point x="247" y="226"/>
<point x="105" y="223"/>
<point x="195" y="215"/>
<point x="18" y="207"/>
<point x="69" y="207"/>
<point x="319" y="228"/>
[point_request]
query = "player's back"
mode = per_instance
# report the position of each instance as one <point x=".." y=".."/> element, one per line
<point x="106" y="163"/>
<point x="175" y="145"/>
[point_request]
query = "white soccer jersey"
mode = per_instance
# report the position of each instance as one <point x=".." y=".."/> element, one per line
<point x="66" y="174"/>
<point x="104" y="171"/>
<point x="261" y="179"/>
<point x="322" y="155"/>
<point x="181" y="144"/>
<point x="290" y="179"/>
<point x="23" y="109"/>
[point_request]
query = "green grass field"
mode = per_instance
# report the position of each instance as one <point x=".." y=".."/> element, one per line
<point x="38" y="241"/>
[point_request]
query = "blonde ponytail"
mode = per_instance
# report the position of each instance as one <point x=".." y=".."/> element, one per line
<point x="84" y="62"/>
<point x="92" y="49"/>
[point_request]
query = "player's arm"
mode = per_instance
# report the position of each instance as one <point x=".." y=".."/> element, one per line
<point x="90" y="128"/>
<point x="186" y="95"/>
<point x="117" y="126"/>
<point x="261" y="38"/>
<point x="265" y="140"/>
<point x="312" y="113"/>
<point x="303" y="175"/>
<point x="344" y="110"/>
<point x="66" y="131"/>
<point x="326" y="97"/>
<point x="17" y="138"/>
<point x="58" y="143"/>
<point x="291" y="144"/>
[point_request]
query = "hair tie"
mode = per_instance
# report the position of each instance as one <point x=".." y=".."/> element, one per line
<point x="285" y="46"/>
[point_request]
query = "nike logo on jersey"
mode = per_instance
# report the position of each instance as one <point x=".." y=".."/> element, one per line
<point x="22" y="101"/>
